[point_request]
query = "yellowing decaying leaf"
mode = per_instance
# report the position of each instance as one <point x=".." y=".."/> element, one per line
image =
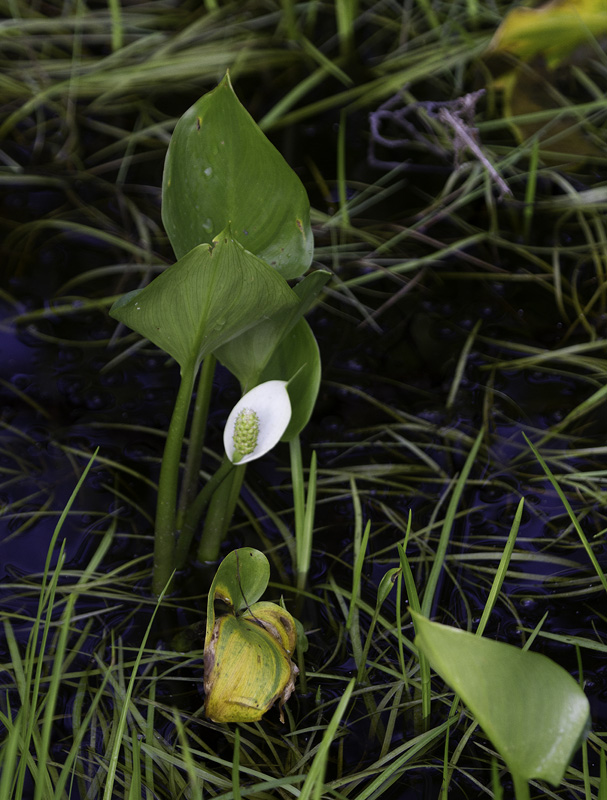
<point x="529" y="100"/>
<point x="247" y="652"/>
<point x="552" y="30"/>
<point x="528" y="56"/>
<point x="247" y="664"/>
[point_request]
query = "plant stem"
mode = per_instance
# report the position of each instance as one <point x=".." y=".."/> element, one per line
<point x="297" y="481"/>
<point x="198" y="428"/>
<point x="521" y="787"/>
<point x="305" y="546"/>
<point x="221" y="509"/>
<point x="304" y="508"/>
<point x="191" y="518"/>
<point x="165" y="533"/>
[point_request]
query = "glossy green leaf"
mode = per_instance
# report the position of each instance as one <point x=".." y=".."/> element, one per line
<point x="240" y="580"/>
<point x="530" y="708"/>
<point x="248" y="355"/>
<point x="208" y="297"/>
<point x="221" y="169"/>
<point x="297" y="359"/>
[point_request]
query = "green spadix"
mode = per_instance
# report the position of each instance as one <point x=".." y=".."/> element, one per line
<point x="257" y="422"/>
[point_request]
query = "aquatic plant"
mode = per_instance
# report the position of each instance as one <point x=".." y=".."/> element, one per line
<point x="410" y="255"/>
<point x="238" y="219"/>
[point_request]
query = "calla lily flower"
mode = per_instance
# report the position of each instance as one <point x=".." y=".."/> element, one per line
<point x="257" y="422"/>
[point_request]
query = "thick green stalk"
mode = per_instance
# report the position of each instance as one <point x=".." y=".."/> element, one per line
<point x="521" y="787"/>
<point x="165" y="533"/>
<point x="219" y="515"/>
<point x="192" y="516"/>
<point x="198" y="428"/>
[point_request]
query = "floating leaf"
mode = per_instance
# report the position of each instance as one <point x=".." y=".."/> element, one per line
<point x="530" y="708"/>
<point x="221" y="169"/>
<point x="209" y="296"/>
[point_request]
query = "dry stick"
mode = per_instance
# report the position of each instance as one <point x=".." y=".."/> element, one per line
<point x="458" y="114"/>
<point x="465" y="138"/>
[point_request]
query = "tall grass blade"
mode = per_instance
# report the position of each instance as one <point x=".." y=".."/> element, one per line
<point x="441" y="550"/>
<point x="587" y="547"/>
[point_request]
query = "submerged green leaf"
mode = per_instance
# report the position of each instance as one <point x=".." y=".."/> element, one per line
<point x="220" y="168"/>
<point x="530" y="708"/>
<point x="208" y="297"/>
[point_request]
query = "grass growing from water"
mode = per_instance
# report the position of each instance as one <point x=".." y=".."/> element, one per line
<point x="455" y="320"/>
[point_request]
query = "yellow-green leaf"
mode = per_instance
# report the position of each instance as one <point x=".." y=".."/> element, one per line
<point x="553" y="30"/>
<point x="275" y="619"/>
<point x="529" y="55"/>
<point x="533" y="711"/>
<point x="246" y="666"/>
<point x="240" y="580"/>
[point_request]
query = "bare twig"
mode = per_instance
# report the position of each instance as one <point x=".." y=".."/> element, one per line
<point x="456" y="115"/>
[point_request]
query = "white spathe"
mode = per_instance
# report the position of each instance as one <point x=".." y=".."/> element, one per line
<point x="271" y="404"/>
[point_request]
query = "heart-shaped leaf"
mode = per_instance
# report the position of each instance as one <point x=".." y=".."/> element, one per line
<point x="221" y="169"/>
<point x="240" y="580"/>
<point x="530" y="708"/>
<point x="209" y="296"/>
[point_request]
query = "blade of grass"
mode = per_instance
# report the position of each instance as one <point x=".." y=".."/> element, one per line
<point x="195" y="787"/>
<point x="461" y="364"/>
<point x="441" y="550"/>
<point x="502" y="569"/>
<point x="313" y="786"/>
<point x="360" y="541"/>
<point x="121" y="726"/>
<point x="586" y="544"/>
